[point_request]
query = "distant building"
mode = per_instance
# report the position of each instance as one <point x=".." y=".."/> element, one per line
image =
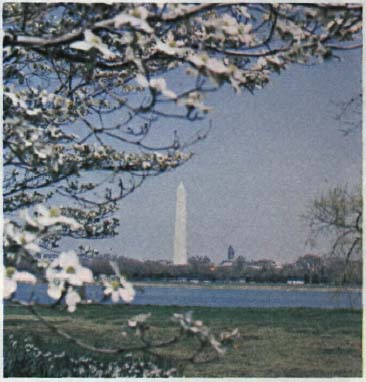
<point x="230" y="253"/>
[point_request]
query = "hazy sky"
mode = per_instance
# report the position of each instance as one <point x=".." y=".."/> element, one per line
<point x="266" y="158"/>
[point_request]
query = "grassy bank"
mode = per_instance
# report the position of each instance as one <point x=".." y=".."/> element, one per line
<point x="274" y="342"/>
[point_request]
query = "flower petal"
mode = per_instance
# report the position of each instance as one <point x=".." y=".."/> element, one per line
<point x="25" y="277"/>
<point x="85" y="275"/>
<point x="142" y="80"/>
<point x="10" y="287"/>
<point x="115" y="296"/>
<point x="55" y="291"/>
<point x="72" y="299"/>
<point x="126" y="295"/>
<point x="81" y="45"/>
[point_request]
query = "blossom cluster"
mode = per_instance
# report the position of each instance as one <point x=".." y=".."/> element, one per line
<point x="64" y="275"/>
<point x="203" y="333"/>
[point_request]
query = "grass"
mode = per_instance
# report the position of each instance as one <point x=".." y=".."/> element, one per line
<point x="293" y="342"/>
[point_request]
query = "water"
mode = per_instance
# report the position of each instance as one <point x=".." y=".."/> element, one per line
<point x="249" y="298"/>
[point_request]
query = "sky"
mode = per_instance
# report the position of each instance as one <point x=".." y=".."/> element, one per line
<point x="251" y="180"/>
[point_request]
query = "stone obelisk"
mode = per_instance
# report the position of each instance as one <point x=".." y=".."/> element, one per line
<point x="180" y="246"/>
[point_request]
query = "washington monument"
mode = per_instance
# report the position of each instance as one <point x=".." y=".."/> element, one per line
<point x="180" y="245"/>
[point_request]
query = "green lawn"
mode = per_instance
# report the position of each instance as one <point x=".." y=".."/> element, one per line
<point x="274" y="342"/>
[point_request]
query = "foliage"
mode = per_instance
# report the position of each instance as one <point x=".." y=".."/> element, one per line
<point x="311" y="268"/>
<point x="338" y="216"/>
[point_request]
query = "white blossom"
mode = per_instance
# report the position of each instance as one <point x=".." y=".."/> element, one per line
<point x="171" y="47"/>
<point x="194" y="100"/>
<point x="22" y="238"/>
<point x="136" y="19"/>
<point x="66" y="269"/>
<point x="119" y="288"/>
<point x="16" y="101"/>
<point x="216" y="66"/>
<point x="158" y="84"/>
<point x="216" y="345"/>
<point x="138" y="320"/>
<point x="71" y="269"/>
<point x="93" y="41"/>
<point x="48" y="217"/>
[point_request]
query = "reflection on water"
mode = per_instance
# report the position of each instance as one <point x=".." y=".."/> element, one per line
<point x="260" y="298"/>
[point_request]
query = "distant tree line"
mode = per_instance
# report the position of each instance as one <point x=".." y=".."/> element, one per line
<point x="311" y="269"/>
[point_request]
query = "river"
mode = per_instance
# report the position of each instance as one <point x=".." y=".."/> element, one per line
<point x="201" y="296"/>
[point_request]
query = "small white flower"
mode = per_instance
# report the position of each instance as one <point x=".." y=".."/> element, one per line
<point x="33" y="111"/>
<point x="225" y="336"/>
<point x="16" y="101"/>
<point x="146" y="165"/>
<point x="160" y="158"/>
<point x="24" y="239"/>
<point x="120" y="288"/>
<point x="216" y="66"/>
<point x="24" y="215"/>
<point x="66" y="268"/>
<point x="197" y="60"/>
<point x="194" y="100"/>
<point x="48" y="217"/>
<point x="139" y="319"/>
<point x="93" y="41"/>
<point x="158" y="84"/>
<point x="229" y="25"/>
<point x="72" y="271"/>
<point x="171" y="47"/>
<point x="216" y="345"/>
<point x="136" y="19"/>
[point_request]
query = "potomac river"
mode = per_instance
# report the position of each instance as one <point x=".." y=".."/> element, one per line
<point x="214" y="297"/>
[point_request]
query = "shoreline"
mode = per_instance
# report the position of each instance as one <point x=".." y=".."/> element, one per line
<point x="301" y="288"/>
